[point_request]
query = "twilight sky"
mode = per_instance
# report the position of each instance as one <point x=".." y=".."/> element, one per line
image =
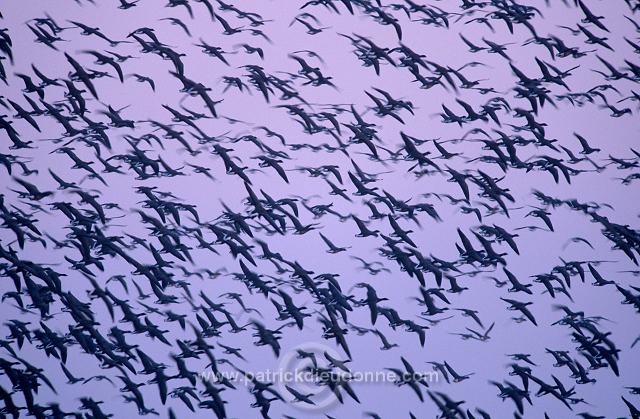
<point x="540" y="250"/>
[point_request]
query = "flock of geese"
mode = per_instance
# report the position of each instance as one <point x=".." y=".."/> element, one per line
<point x="193" y="189"/>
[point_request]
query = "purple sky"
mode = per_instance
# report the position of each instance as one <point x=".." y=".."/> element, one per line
<point x="539" y="250"/>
